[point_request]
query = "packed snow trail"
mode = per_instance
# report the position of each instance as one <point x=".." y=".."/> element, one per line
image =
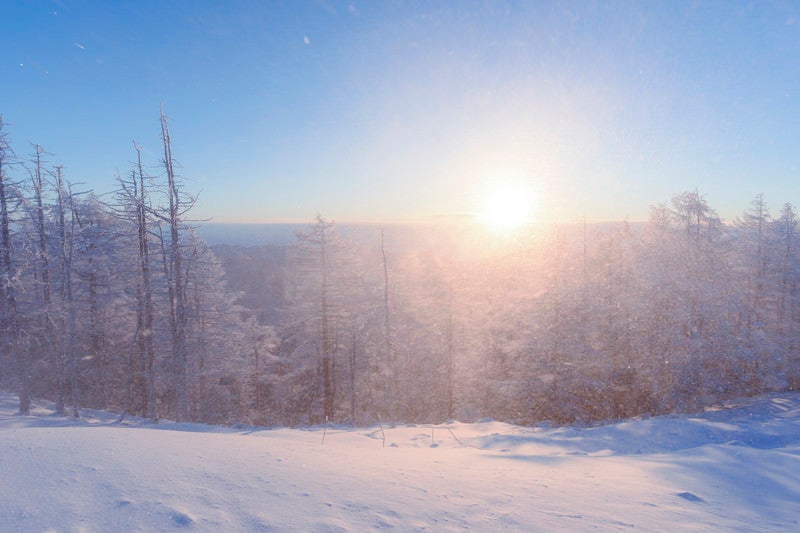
<point x="732" y="469"/>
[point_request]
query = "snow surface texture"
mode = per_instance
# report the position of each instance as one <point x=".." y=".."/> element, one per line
<point x="736" y="468"/>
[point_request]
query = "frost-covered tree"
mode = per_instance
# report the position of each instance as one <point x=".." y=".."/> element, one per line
<point x="787" y="294"/>
<point x="221" y="338"/>
<point x="65" y="226"/>
<point x="317" y="328"/>
<point x="788" y="301"/>
<point x="177" y="207"/>
<point x="754" y="247"/>
<point x="18" y="358"/>
<point x="307" y="336"/>
<point x="100" y="302"/>
<point x="136" y="213"/>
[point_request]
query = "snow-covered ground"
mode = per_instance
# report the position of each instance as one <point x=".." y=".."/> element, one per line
<point x="735" y="468"/>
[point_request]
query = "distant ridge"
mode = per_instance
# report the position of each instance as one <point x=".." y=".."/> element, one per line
<point x="283" y="234"/>
<point x="279" y="234"/>
<point x="248" y="234"/>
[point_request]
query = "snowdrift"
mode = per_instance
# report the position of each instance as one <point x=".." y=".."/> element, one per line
<point x="733" y="468"/>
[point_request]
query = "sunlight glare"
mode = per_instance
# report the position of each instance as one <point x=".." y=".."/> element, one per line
<point x="508" y="206"/>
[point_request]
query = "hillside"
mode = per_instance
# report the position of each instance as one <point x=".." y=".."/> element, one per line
<point x="733" y="468"/>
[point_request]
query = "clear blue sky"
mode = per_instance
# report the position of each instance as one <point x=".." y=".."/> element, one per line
<point x="390" y="110"/>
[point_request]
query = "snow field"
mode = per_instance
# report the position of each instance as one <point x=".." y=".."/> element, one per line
<point x="732" y="469"/>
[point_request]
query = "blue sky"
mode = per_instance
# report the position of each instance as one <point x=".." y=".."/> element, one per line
<point x="406" y="111"/>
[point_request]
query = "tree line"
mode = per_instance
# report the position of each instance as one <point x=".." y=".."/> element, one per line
<point x="116" y="303"/>
<point x="572" y="322"/>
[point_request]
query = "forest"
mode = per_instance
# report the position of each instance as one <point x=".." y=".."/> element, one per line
<point x="117" y="303"/>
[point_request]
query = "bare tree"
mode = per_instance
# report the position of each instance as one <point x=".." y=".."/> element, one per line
<point x="178" y="205"/>
<point x="42" y="274"/>
<point x="309" y="331"/>
<point x="65" y="212"/>
<point x="7" y="274"/>
<point x="141" y="379"/>
<point x="391" y="386"/>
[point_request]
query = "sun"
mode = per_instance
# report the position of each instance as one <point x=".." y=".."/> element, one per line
<point x="508" y="206"/>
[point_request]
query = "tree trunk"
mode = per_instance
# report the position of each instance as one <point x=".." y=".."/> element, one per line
<point x="176" y="282"/>
<point x="145" y="304"/>
<point x="69" y="354"/>
<point x="43" y="272"/>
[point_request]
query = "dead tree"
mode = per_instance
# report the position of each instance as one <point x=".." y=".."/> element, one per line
<point x="178" y="205"/>
<point x="11" y="320"/>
